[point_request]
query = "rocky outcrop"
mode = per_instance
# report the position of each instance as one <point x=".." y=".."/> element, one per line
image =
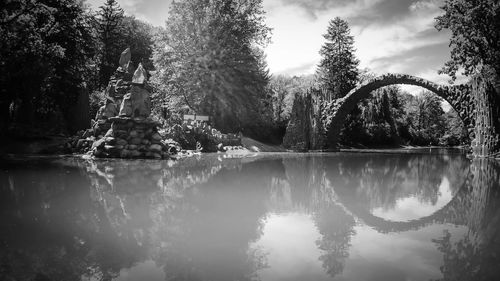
<point x="305" y="131"/>
<point x="297" y="132"/>
<point x="123" y="127"/>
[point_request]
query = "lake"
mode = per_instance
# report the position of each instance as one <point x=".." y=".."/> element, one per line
<point x="426" y="214"/>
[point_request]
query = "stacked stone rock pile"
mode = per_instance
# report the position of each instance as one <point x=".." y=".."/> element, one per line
<point x="123" y="127"/>
<point x="132" y="134"/>
<point x="129" y="138"/>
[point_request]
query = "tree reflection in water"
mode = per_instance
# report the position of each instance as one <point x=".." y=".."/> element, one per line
<point x="52" y="230"/>
<point x="336" y="229"/>
<point x="65" y="219"/>
<point x="475" y="256"/>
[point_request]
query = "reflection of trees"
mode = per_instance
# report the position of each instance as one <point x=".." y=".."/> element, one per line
<point x="195" y="218"/>
<point x="475" y="256"/>
<point x="336" y="229"/>
<point x="51" y="230"/>
<point x="192" y="219"/>
<point x="226" y="216"/>
<point x="323" y="185"/>
<point x="380" y="180"/>
<point x="306" y="179"/>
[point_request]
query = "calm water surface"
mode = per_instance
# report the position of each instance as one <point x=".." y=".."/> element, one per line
<point x="347" y="216"/>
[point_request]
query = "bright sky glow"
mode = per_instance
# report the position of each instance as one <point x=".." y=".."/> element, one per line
<point x="410" y="208"/>
<point x="290" y="243"/>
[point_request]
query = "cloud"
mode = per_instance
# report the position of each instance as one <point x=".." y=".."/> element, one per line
<point x="412" y="61"/>
<point x="390" y="35"/>
<point x="153" y="11"/>
<point x="308" y="68"/>
<point x="314" y="7"/>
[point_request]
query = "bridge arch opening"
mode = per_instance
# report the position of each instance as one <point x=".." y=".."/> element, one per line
<point x="339" y="109"/>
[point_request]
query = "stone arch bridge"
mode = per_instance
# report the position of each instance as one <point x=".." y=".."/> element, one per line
<point x="315" y="124"/>
<point x="336" y="111"/>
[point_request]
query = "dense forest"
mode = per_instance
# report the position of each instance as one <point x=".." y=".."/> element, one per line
<point x="56" y="58"/>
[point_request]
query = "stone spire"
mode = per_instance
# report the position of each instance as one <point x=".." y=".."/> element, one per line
<point x="125" y="59"/>
<point x="140" y="75"/>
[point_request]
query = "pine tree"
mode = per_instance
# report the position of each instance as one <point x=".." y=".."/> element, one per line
<point x="109" y="19"/>
<point x="338" y="69"/>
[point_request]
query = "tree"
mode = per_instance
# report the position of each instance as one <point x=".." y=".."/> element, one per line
<point x="475" y="40"/>
<point x="209" y="59"/>
<point x="46" y="55"/>
<point x="338" y="68"/>
<point x="336" y="228"/>
<point x="475" y="47"/>
<point x="281" y="87"/>
<point x="426" y="119"/>
<point x="139" y="37"/>
<point x="109" y="19"/>
<point x="456" y="133"/>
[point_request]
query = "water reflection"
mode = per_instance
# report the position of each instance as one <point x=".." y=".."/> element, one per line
<point x="475" y="256"/>
<point x="227" y="219"/>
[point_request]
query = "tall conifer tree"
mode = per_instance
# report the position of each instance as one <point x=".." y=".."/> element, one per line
<point x="338" y="69"/>
<point x="109" y="19"/>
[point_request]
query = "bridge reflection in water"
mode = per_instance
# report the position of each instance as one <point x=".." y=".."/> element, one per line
<point x="209" y="218"/>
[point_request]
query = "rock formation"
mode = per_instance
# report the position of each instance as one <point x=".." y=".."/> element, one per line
<point x="128" y="132"/>
<point x="304" y="131"/>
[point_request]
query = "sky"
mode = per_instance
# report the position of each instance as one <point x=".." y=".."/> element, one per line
<point x="396" y="36"/>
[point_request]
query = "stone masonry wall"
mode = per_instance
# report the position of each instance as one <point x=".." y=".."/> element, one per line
<point x="487" y="117"/>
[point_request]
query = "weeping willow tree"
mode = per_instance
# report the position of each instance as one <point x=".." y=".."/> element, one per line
<point x="209" y="60"/>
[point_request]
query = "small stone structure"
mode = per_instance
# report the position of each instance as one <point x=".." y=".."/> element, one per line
<point x="123" y="127"/>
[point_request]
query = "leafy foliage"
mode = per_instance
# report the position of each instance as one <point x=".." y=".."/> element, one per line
<point x="283" y="89"/>
<point x="336" y="228"/>
<point x="117" y="32"/>
<point x="475" y="40"/>
<point x="391" y="117"/>
<point x="209" y="61"/>
<point x="54" y="53"/>
<point x="46" y="55"/>
<point x="109" y="19"/>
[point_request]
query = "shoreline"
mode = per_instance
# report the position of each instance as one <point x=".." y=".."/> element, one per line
<point x="52" y="146"/>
